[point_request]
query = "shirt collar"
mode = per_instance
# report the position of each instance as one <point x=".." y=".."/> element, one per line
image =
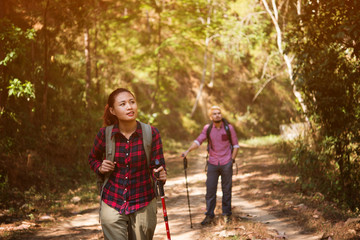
<point x="116" y="129"/>
<point x="221" y="124"/>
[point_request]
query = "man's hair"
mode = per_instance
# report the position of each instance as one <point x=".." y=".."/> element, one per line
<point x="213" y="108"/>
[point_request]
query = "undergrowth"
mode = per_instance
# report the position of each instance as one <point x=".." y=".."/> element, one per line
<point x="319" y="170"/>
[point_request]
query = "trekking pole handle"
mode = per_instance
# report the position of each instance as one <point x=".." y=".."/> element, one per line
<point x="159" y="182"/>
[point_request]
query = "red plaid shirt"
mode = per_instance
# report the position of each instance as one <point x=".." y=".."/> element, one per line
<point x="129" y="187"/>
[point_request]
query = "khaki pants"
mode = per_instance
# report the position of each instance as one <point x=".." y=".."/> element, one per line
<point x="135" y="226"/>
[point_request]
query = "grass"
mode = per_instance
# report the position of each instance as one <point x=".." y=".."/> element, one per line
<point x="263" y="141"/>
<point x="174" y="147"/>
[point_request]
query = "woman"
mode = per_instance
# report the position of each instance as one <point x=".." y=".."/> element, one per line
<point x="128" y="203"/>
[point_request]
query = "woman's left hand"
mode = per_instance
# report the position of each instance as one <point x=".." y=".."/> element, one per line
<point x="162" y="173"/>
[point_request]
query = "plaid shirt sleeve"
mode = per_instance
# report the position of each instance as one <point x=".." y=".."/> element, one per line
<point x="156" y="149"/>
<point x="97" y="152"/>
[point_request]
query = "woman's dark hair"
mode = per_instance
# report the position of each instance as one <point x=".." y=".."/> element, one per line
<point x="108" y="117"/>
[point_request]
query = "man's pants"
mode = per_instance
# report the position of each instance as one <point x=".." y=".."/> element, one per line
<point x="135" y="226"/>
<point x="213" y="173"/>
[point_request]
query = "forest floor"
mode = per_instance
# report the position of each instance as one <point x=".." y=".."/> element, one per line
<point x="267" y="204"/>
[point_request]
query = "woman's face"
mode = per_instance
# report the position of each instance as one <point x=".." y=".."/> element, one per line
<point x="125" y="107"/>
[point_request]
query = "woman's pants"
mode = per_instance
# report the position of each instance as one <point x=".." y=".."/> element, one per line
<point x="135" y="226"/>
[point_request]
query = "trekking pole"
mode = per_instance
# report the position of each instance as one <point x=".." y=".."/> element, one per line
<point x="162" y="195"/>
<point x="187" y="189"/>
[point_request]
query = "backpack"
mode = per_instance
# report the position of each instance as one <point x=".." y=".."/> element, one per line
<point x="227" y="129"/>
<point x="110" y="152"/>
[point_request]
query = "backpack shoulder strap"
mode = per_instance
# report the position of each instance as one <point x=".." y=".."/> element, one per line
<point x="208" y="135"/>
<point x="110" y="143"/>
<point x="147" y="140"/>
<point x="109" y="154"/>
<point x="228" y="133"/>
<point x="209" y="130"/>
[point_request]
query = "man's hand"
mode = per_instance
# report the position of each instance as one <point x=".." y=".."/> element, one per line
<point x="107" y="166"/>
<point x="192" y="147"/>
<point x="184" y="154"/>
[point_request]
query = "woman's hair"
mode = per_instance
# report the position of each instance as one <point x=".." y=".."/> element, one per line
<point x="108" y="117"/>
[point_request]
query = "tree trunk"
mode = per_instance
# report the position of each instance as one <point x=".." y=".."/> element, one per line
<point x="33" y="81"/>
<point x="46" y="64"/>
<point x="274" y="17"/>
<point x="96" y="57"/>
<point x="158" y="56"/>
<point x="3" y="78"/>
<point x="198" y="96"/>
<point x="4" y="89"/>
<point x="211" y="84"/>
<point x="88" y="65"/>
<point x="202" y="82"/>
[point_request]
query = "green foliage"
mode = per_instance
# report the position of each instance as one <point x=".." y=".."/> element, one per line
<point x="319" y="172"/>
<point x="12" y="39"/>
<point x="263" y="141"/>
<point x="19" y="89"/>
<point x="328" y="74"/>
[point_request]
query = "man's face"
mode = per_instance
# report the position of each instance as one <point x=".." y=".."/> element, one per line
<point x="216" y="116"/>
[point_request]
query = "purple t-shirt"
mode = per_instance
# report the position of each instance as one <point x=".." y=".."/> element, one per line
<point x="220" y="151"/>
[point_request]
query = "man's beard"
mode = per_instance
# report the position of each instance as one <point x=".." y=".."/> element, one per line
<point x="217" y="121"/>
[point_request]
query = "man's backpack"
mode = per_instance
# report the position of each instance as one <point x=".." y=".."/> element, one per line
<point x="227" y="129"/>
<point x="110" y="152"/>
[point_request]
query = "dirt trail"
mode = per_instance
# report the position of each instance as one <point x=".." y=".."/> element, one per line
<point x="86" y="226"/>
<point x="178" y="206"/>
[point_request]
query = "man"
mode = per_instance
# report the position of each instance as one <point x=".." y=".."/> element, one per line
<point x="222" y="154"/>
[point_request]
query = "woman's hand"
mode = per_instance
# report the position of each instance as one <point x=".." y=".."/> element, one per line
<point x="162" y="174"/>
<point x="107" y="166"/>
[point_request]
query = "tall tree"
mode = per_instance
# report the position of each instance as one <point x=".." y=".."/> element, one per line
<point x="88" y="64"/>
<point x="204" y="69"/>
<point x="328" y="73"/>
<point x="274" y="14"/>
<point x="46" y="60"/>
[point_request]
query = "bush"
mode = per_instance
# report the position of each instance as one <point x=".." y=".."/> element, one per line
<point x="321" y="170"/>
